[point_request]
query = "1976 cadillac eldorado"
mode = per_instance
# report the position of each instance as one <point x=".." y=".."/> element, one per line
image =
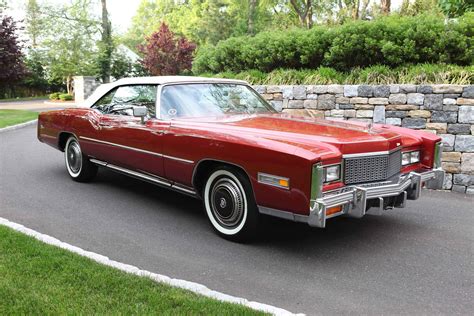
<point x="218" y="140"/>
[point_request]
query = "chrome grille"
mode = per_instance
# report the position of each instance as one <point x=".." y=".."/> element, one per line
<point x="372" y="168"/>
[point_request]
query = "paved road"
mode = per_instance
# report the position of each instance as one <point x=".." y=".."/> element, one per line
<point x="417" y="260"/>
<point x="34" y="105"/>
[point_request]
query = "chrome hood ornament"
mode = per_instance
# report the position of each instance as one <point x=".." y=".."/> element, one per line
<point x="370" y="125"/>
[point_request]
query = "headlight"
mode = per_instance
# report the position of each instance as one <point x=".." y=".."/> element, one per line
<point x="411" y="157"/>
<point x="332" y="173"/>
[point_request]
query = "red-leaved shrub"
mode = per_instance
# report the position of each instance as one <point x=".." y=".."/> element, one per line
<point x="165" y="54"/>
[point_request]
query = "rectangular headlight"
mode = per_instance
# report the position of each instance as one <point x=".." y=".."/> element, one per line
<point x="405" y="159"/>
<point x="332" y="173"/>
<point x="410" y="157"/>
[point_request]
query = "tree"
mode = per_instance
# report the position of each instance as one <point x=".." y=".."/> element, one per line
<point x="106" y="45"/>
<point x="304" y="10"/>
<point x="385" y="6"/>
<point x="252" y="13"/>
<point x="456" y="8"/>
<point x="11" y="58"/>
<point x="164" y="54"/>
<point x="34" y="22"/>
<point x="70" y="41"/>
<point x="201" y="21"/>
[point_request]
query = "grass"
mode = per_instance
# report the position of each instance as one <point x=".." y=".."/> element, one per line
<point x="378" y="74"/>
<point x="36" y="278"/>
<point x="12" y="117"/>
<point x="40" y="97"/>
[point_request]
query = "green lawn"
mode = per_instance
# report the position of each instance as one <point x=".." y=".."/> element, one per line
<point x="36" y="278"/>
<point x="12" y="117"/>
<point x="41" y="97"/>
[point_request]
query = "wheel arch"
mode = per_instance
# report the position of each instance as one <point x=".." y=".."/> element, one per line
<point x="62" y="139"/>
<point x="205" y="166"/>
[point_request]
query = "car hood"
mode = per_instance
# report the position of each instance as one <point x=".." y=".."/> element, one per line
<point x="325" y="137"/>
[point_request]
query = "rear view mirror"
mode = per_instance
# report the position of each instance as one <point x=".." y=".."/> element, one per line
<point x="140" y="111"/>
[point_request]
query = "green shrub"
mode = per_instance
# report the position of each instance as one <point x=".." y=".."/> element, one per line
<point x="65" y="97"/>
<point x="391" y="41"/>
<point x="54" y="96"/>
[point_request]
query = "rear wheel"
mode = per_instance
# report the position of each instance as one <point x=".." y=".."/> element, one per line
<point x="78" y="166"/>
<point x="230" y="204"/>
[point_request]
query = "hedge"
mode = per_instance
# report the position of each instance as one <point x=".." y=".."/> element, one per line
<point x="392" y="41"/>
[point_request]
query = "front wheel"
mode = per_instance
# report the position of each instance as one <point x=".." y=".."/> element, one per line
<point x="230" y="204"/>
<point x="78" y="166"/>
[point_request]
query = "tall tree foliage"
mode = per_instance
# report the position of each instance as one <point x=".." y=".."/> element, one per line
<point x="68" y="41"/>
<point x="455" y="8"/>
<point x="11" y="57"/>
<point x="166" y="54"/>
<point x="202" y="21"/>
<point x="106" y="45"/>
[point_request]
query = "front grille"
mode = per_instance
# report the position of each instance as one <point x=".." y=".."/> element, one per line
<point x="372" y="168"/>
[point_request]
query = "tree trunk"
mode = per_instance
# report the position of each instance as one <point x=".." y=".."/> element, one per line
<point x="355" y="10"/>
<point x="363" y="11"/>
<point x="69" y="84"/>
<point x="107" y="44"/>
<point x="251" y="21"/>
<point x="309" y="15"/>
<point x="304" y="12"/>
<point x="385" y="6"/>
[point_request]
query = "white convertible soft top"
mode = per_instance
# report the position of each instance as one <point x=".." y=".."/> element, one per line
<point x="104" y="88"/>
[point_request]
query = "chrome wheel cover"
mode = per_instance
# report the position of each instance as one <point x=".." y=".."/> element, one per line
<point x="74" y="157"/>
<point x="227" y="202"/>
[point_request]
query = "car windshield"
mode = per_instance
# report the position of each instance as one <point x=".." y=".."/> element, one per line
<point x="210" y="99"/>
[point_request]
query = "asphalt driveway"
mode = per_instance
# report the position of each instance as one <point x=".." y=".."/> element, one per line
<point x="417" y="260"/>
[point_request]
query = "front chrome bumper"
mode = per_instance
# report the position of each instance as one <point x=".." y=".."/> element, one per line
<point x="358" y="200"/>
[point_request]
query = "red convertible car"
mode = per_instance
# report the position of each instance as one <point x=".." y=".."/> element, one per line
<point x="218" y="140"/>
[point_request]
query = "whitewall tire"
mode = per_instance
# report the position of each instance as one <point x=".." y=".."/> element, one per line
<point x="230" y="204"/>
<point x="77" y="164"/>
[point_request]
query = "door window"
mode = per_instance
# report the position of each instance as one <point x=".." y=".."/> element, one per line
<point x="121" y="100"/>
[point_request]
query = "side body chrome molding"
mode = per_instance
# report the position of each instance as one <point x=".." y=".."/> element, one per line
<point x="148" y="178"/>
<point x="136" y="149"/>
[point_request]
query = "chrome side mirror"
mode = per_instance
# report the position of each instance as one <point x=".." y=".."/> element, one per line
<point x="141" y="112"/>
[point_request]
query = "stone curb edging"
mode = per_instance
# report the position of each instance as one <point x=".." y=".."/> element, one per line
<point x="186" y="285"/>
<point x="18" y="126"/>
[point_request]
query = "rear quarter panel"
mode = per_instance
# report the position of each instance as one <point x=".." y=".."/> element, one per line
<point x="78" y="122"/>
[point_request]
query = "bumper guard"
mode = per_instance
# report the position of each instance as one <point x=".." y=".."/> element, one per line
<point x="353" y="200"/>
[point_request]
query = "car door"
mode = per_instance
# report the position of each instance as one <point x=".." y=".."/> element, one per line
<point x="124" y="140"/>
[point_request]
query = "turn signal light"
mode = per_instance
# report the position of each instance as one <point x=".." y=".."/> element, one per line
<point x="333" y="210"/>
<point x="283" y="183"/>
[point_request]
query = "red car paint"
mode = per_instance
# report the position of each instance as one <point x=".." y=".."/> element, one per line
<point x="277" y="144"/>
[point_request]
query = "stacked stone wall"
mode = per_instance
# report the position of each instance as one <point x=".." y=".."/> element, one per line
<point x="446" y="110"/>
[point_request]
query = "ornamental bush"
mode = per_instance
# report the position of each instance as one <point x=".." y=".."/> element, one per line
<point x="54" y="95"/>
<point x="391" y="41"/>
<point x="66" y="97"/>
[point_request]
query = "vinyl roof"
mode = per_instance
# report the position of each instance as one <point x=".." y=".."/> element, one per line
<point x="171" y="79"/>
<point x="102" y="89"/>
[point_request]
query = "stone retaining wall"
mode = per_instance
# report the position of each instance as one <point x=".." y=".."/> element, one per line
<point x="446" y="110"/>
